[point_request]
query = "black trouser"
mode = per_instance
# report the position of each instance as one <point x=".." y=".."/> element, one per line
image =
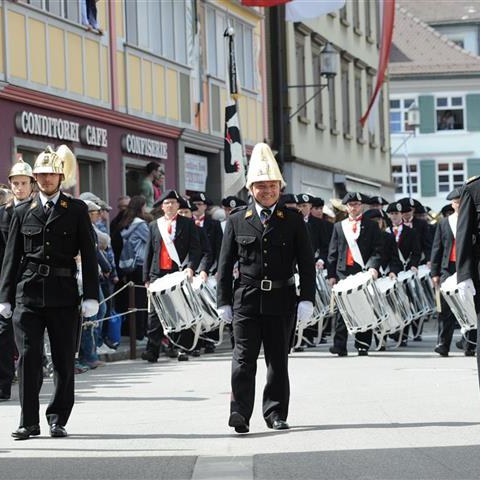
<point x="29" y="325"/>
<point x="446" y="325"/>
<point x="250" y="332"/>
<point x="7" y="352"/>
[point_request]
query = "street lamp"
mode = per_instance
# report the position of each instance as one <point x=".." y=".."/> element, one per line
<point x="328" y="69"/>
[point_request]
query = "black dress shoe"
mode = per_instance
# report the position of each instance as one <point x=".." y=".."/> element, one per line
<point x="210" y="349"/>
<point x="4" y="396"/>
<point x="196" y="353"/>
<point x="459" y="345"/>
<point x="299" y="349"/>
<point x="238" y="422"/>
<point x="469" y="353"/>
<point x="441" y="350"/>
<point x="149" y="357"/>
<point x="22" y="433"/>
<point x="362" y="352"/>
<point x="278" y="424"/>
<point x="57" y="430"/>
<point x="418" y="338"/>
<point x="337" y="351"/>
<point x="403" y="343"/>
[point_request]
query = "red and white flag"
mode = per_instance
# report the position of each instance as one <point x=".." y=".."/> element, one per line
<point x="385" y="46"/>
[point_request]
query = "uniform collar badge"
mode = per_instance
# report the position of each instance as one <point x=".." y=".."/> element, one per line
<point x="63" y="203"/>
<point x="249" y="213"/>
<point x="280" y="214"/>
<point x="33" y="205"/>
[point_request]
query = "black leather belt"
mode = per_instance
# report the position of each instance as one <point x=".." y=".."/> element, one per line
<point x="267" y="285"/>
<point x="47" y="270"/>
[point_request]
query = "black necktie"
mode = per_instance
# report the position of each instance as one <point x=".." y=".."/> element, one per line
<point x="265" y="215"/>
<point x="48" y="208"/>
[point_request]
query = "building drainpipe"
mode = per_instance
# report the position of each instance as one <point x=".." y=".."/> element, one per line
<point x="113" y="54"/>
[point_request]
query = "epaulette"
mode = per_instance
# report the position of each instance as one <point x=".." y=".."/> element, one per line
<point x="472" y="179"/>
<point x="238" y="209"/>
<point x="290" y="209"/>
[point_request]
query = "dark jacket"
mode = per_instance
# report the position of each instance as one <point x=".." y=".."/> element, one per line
<point x="390" y="260"/>
<point x="213" y="228"/>
<point x="424" y="232"/>
<point x="207" y="254"/>
<point x="186" y="242"/>
<point x="321" y="233"/>
<point x="270" y="252"/>
<point x="441" y="250"/>
<point x="409" y="245"/>
<point x="6" y="212"/>
<point x="55" y="242"/>
<point x="369" y="243"/>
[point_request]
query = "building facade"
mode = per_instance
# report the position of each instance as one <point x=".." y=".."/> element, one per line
<point x="146" y="84"/>
<point x="434" y="72"/>
<point x="326" y="151"/>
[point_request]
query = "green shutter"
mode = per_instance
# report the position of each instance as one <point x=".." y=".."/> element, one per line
<point x="473" y="167"/>
<point x="473" y="112"/>
<point x="428" y="184"/>
<point x="185" y="99"/>
<point x="427" y="113"/>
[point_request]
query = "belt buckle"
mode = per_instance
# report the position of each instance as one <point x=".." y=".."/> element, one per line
<point x="266" y="285"/>
<point x="44" y="270"/>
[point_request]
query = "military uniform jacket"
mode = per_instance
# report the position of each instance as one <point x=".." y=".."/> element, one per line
<point x="54" y="241"/>
<point x="207" y="254"/>
<point x="213" y="228"/>
<point x="468" y="234"/>
<point x="321" y="232"/>
<point x="390" y="258"/>
<point x="409" y="245"/>
<point x="187" y="243"/>
<point x="270" y="252"/>
<point x="424" y="233"/>
<point x="369" y="243"/>
<point x="441" y="250"/>
<point x="6" y="212"/>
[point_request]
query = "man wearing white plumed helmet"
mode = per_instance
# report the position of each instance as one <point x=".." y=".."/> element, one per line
<point x="38" y="278"/>
<point x="21" y="183"/>
<point x="268" y="241"/>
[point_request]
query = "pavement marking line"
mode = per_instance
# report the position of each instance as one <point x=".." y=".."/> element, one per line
<point x="223" y="468"/>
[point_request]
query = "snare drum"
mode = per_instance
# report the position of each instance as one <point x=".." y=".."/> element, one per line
<point x="175" y="302"/>
<point x="394" y="321"/>
<point x="207" y="302"/>
<point x="462" y="308"/>
<point x="360" y="302"/>
<point x="427" y="287"/>
<point x="416" y="297"/>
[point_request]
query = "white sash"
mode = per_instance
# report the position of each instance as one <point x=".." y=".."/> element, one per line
<point x="168" y="240"/>
<point x="352" y="241"/>
<point x="400" y="254"/>
<point x="452" y="220"/>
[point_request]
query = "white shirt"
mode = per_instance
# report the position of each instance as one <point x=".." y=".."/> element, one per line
<point x="173" y="223"/>
<point x="259" y="208"/>
<point x="44" y="199"/>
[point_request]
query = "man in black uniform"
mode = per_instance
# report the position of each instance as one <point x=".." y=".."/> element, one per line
<point x="443" y="266"/>
<point x="39" y="274"/>
<point x="343" y="261"/>
<point x="21" y="183"/>
<point x="268" y="241"/>
<point x="468" y="245"/>
<point x="176" y="249"/>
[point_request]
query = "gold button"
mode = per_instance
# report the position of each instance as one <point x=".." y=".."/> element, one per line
<point x="48" y="229"/>
<point x="264" y="251"/>
<point x="265" y="264"/>
<point x="48" y="243"/>
<point x="264" y="239"/>
<point x="47" y="257"/>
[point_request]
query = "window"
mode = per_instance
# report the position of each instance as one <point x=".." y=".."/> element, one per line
<point x="356" y="14"/>
<point x="378" y="21"/>
<point x="450" y="176"/>
<point x="91" y="177"/>
<point x="368" y="19"/>
<point x="345" y="77"/>
<point x="406" y="182"/>
<point x="69" y="9"/>
<point x="381" y="118"/>
<point x="399" y="114"/>
<point x="358" y="102"/>
<point x="449" y="113"/>
<point x="371" y="132"/>
<point x="217" y="50"/>
<point x="343" y="15"/>
<point x="300" y="66"/>
<point x="317" y="69"/>
<point x="159" y="27"/>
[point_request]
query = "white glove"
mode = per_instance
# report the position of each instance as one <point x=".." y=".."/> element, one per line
<point x="226" y="313"/>
<point x="464" y="287"/>
<point x="89" y="308"/>
<point x="5" y="310"/>
<point x="304" y="311"/>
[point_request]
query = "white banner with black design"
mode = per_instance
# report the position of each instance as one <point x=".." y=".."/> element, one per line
<point x="351" y="238"/>
<point x="168" y="240"/>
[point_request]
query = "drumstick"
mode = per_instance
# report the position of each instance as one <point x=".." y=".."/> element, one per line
<point x="437" y="299"/>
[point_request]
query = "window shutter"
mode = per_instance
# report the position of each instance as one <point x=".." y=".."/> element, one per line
<point x="185" y="98"/>
<point x="215" y="114"/>
<point x="473" y="167"/>
<point x="427" y="113"/>
<point x="428" y="183"/>
<point x="473" y="112"/>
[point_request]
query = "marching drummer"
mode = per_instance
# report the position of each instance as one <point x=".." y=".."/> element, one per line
<point x="355" y="246"/>
<point x="443" y="266"/>
<point x="173" y="245"/>
<point x="39" y="272"/>
<point x="268" y="240"/>
<point x="21" y="183"/>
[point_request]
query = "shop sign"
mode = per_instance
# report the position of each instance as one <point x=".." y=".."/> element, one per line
<point x="144" y="146"/>
<point x="196" y="170"/>
<point x="94" y="136"/>
<point x="44" y="126"/>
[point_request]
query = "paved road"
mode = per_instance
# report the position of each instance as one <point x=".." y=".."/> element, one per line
<point x="404" y="414"/>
